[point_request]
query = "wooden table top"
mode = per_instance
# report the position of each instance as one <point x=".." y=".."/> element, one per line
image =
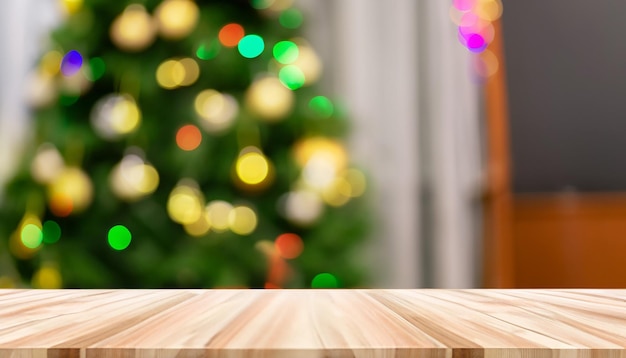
<point x="313" y="323"/>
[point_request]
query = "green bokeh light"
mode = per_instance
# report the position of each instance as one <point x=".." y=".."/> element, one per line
<point x="119" y="237"/>
<point x="251" y="46"/>
<point x="291" y="18"/>
<point x="286" y="52"/>
<point x="291" y="76"/>
<point x="51" y="232"/>
<point x="208" y="50"/>
<point x="31" y="236"/>
<point x="324" y="280"/>
<point x="322" y="106"/>
<point x="97" y="67"/>
<point x="261" y="4"/>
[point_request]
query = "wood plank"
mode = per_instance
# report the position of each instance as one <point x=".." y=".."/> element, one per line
<point x="313" y="323"/>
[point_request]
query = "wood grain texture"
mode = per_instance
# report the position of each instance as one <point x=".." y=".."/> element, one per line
<point x="313" y="323"/>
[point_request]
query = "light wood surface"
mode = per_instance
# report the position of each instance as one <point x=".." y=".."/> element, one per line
<point x="313" y="323"/>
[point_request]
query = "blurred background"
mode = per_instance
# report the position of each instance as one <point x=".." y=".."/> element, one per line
<point x="469" y="143"/>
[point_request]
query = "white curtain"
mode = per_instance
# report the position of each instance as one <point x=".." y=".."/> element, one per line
<point x="408" y="87"/>
<point x="23" y="27"/>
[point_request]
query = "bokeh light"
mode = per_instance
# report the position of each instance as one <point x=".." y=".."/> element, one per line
<point x="325" y="280"/>
<point x="47" y="277"/>
<point x="72" y="6"/>
<point x="176" y="18"/>
<point x="70" y="192"/>
<point x="31" y="236"/>
<point x="219" y="213"/>
<point x="119" y="237"/>
<point x="285" y="52"/>
<point x="133" y="179"/>
<point x="97" y="68"/>
<point x="302" y="207"/>
<point x="231" y="34"/>
<point x="464" y="5"/>
<point x="486" y="64"/>
<point x="242" y="220"/>
<point x="291" y="18"/>
<point x="217" y="111"/>
<point x="357" y="181"/>
<point x="199" y="227"/>
<point x="252" y="167"/>
<point x="208" y="50"/>
<point x="292" y="77"/>
<point x="71" y="63"/>
<point x="185" y="203"/>
<point x="289" y="245"/>
<point x="269" y="99"/>
<point x="47" y="164"/>
<point x="174" y="73"/>
<point x="489" y="10"/>
<point x="251" y="46"/>
<point x="338" y="192"/>
<point x="322" y="106"/>
<point x="474" y="19"/>
<point x="115" y="115"/>
<point x="50" y="63"/>
<point x="328" y="149"/>
<point x="133" y="30"/>
<point x="188" y="137"/>
<point x="51" y="232"/>
<point x="308" y="62"/>
<point x="261" y="4"/>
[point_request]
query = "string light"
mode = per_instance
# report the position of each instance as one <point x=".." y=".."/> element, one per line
<point x="133" y="30"/>
<point x="252" y="167"/>
<point x="185" y="203"/>
<point x="71" y="63"/>
<point x="269" y="99"/>
<point x="217" y="111"/>
<point x="218" y="212"/>
<point x="242" y="220"/>
<point x="324" y="280"/>
<point x="70" y="192"/>
<point x="119" y="237"/>
<point x="289" y="245"/>
<point x="188" y="137"/>
<point x="133" y="179"/>
<point x="251" y="46"/>
<point x="176" y="18"/>
<point x="230" y="34"/>
<point x="115" y="115"/>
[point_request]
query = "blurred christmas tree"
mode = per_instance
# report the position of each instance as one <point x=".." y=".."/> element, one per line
<point x="182" y="144"/>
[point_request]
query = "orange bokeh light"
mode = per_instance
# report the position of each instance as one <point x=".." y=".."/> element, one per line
<point x="188" y="137"/>
<point x="289" y="246"/>
<point x="230" y="35"/>
<point x="61" y="205"/>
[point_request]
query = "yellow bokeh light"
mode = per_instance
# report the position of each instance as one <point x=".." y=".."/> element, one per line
<point x="184" y="205"/>
<point x="50" y="63"/>
<point x="302" y="207"/>
<point x="489" y="10"/>
<point x="252" y="168"/>
<point x="200" y="227"/>
<point x="125" y="116"/>
<point x="74" y="185"/>
<point x="47" y="164"/>
<point x="72" y="6"/>
<point x="309" y="62"/>
<point x="170" y="74"/>
<point x="242" y="220"/>
<point x="218" y="212"/>
<point x="338" y="193"/>
<point x="133" y="30"/>
<point x="115" y="115"/>
<point x="176" y="18"/>
<point x="357" y="181"/>
<point x="269" y="99"/>
<point x="216" y="110"/>
<point x="321" y="147"/>
<point x="192" y="71"/>
<point x="132" y="179"/>
<point x="47" y="277"/>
